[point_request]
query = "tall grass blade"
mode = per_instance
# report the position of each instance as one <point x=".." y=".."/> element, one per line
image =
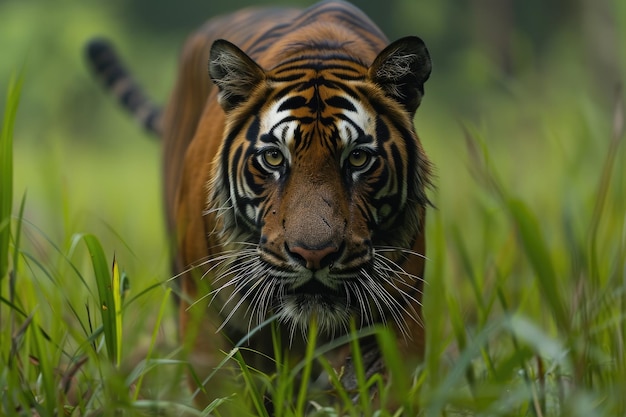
<point x="254" y="392"/>
<point x="105" y="293"/>
<point x="536" y="249"/>
<point x="117" y="308"/>
<point x="438" y="399"/>
<point x="306" y="374"/>
<point x="436" y="340"/>
<point x="157" y="327"/>
<point x="46" y="376"/>
<point x="605" y="180"/>
<point x="467" y="264"/>
<point x="16" y="251"/>
<point x="388" y="344"/>
<point x="456" y="320"/>
<point x="6" y="170"/>
<point x="359" y="372"/>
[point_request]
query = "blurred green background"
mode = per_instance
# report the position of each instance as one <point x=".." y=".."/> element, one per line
<point x="534" y="79"/>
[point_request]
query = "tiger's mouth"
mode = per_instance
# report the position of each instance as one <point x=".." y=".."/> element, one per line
<point x="330" y="309"/>
<point x="314" y="287"/>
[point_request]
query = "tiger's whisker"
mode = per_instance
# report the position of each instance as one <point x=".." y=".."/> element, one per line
<point x="239" y="303"/>
<point x="235" y="253"/>
<point x="401" y="250"/>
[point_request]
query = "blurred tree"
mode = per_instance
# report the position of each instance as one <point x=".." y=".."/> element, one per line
<point x="493" y="22"/>
<point x="499" y="24"/>
<point x="589" y="25"/>
<point x="167" y="16"/>
<point x="599" y="35"/>
<point x="182" y="17"/>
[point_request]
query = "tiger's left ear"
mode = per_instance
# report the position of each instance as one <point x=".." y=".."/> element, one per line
<point x="401" y="69"/>
<point x="235" y="73"/>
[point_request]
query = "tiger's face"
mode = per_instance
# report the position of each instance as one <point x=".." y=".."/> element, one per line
<point x="319" y="187"/>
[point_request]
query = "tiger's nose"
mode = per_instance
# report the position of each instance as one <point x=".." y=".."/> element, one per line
<point x="314" y="259"/>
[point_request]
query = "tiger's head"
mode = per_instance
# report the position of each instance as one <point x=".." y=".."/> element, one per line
<point x="319" y="185"/>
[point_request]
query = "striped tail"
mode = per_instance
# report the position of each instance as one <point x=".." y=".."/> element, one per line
<point x="108" y="67"/>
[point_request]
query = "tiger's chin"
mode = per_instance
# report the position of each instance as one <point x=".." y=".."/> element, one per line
<point x="330" y="312"/>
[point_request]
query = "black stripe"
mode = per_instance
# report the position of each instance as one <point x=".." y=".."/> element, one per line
<point x="341" y="103"/>
<point x="266" y="40"/>
<point x="302" y="120"/>
<point x="367" y="215"/>
<point x="112" y="75"/>
<point x="382" y="131"/>
<point x="380" y="180"/>
<point x="279" y="94"/>
<point x="345" y="16"/>
<point x="334" y="67"/>
<point x="346" y="77"/>
<point x="252" y="133"/>
<point x="316" y="60"/>
<point x="355" y="256"/>
<point x="399" y="166"/>
<point x="349" y="120"/>
<point x="289" y="77"/>
<point x="151" y="122"/>
<point x="131" y="99"/>
<point x="292" y="103"/>
<point x="267" y="138"/>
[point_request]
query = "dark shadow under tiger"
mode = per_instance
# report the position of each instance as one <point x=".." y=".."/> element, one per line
<point x="294" y="183"/>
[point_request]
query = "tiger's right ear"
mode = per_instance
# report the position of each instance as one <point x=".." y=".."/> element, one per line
<point x="234" y="73"/>
<point x="401" y="69"/>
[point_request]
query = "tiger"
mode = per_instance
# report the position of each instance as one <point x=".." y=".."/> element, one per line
<point x="295" y="185"/>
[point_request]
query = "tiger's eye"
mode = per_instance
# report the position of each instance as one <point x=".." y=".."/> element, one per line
<point x="273" y="157"/>
<point x="358" y="158"/>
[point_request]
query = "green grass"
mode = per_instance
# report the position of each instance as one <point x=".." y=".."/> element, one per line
<point x="525" y="304"/>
